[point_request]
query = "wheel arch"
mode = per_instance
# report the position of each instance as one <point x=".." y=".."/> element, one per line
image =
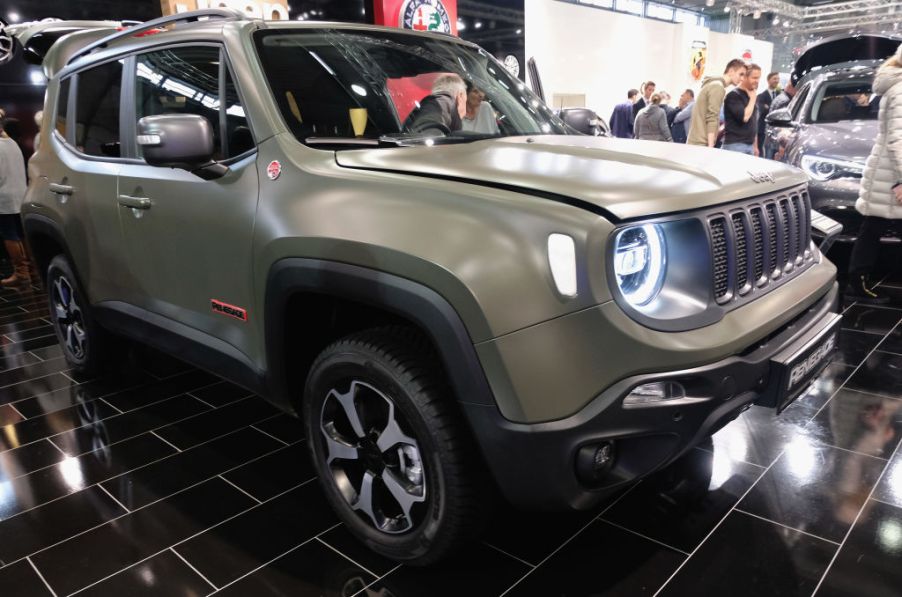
<point x="46" y="240"/>
<point x="303" y="292"/>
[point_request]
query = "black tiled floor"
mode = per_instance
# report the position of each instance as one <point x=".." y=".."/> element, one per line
<point x="681" y="505"/>
<point x="274" y="473"/>
<point x="869" y="563"/>
<point x="749" y="556"/>
<point x="164" y="480"/>
<point x="479" y="571"/>
<point x="890" y="488"/>
<point x="603" y="560"/>
<point x="72" y="564"/>
<point x="164" y="574"/>
<point x="240" y="545"/>
<point x="21" y="580"/>
<point x="880" y="374"/>
<point x="814" y="488"/>
<point x="310" y="570"/>
<point x="878" y="320"/>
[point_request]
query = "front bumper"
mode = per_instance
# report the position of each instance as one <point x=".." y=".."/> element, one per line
<point x="535" y="465"/>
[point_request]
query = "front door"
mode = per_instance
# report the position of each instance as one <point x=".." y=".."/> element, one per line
<point x="189" y="248"/>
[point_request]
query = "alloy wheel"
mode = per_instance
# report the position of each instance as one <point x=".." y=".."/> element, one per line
<point x="69" y="317"/>
<point x="375" y="464"/>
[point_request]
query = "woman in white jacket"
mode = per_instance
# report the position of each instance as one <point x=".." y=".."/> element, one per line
<point x="880" y="198"/>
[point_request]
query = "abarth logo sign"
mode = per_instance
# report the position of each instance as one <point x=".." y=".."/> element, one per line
<point x="425" y="15"/>
<point x="760" y="177"/>
<point x="274" y="169"/>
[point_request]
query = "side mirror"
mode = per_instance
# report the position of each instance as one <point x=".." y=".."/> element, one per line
<point x="179" y="141"/>
<point x="780" y="118"/>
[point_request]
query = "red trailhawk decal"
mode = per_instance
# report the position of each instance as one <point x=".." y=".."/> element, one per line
<point x="229" y="310"/>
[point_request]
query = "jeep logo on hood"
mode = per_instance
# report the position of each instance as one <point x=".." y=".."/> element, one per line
<point x="760" y="177"/>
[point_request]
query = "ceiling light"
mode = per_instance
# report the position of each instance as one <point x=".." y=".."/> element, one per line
<point x="726" y="8"/>
<point x="478" y="24"/>
<point x="461" y="25"/>
<point x="709" y="2"/>
<point x="13" y="17"/>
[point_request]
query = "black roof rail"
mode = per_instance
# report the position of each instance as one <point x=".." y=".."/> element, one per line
<point x="182" y="17"/>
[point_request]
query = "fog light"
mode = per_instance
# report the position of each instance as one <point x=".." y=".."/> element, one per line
<point x="655" y="392"/>
<point x="594" y="461"/>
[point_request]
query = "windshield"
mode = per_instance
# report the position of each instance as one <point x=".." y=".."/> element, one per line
<point x="373" y="87"/>
<point x="845" y="100"/>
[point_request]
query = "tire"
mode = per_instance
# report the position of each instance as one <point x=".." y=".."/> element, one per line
<point x="385" y="376"/>
<point x="86" y="346"/>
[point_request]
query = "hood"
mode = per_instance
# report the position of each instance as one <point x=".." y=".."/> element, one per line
<point x="886" y="78"/>
<point x="843" y="49"/>
<point x="851" y="140"/>
<point x="622" y="178"/>
<point x="52" y="43"/>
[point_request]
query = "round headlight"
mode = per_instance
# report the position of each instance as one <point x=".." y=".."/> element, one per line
<point x="639" y="263"/>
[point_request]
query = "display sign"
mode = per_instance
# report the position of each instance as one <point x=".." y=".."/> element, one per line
<point x="420" y="15"/>
<point x="275" y="10"/>
<point x="699" y="57"/>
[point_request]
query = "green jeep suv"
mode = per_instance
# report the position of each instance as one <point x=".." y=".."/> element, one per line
<point x="450" y="312"/>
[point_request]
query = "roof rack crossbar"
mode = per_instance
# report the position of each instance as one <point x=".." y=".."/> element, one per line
<point x="182" y="17"/>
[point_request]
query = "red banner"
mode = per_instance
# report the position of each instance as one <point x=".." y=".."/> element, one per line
<point x="419" y="15"/>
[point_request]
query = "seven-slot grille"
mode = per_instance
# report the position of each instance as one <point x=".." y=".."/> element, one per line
<point x="759" y="243"/>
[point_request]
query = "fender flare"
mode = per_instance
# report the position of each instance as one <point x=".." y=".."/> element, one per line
<point x="410" y="300"/>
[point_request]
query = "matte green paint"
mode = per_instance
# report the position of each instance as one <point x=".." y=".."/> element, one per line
<point x="482" y="248"/>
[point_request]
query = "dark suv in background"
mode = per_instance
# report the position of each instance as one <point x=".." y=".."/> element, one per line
<point x="830" y="126"/>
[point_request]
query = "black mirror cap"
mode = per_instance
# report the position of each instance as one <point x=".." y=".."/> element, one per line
<point x="176" y="140"/>
<point x="781" y="117"/>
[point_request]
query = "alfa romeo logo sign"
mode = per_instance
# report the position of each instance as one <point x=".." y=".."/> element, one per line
<point x="425" y="15"/>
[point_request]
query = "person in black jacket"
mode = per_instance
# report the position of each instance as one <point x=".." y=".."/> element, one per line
<point x="648" y="89"/>
<point x="441" y="112"/>
<point x="765" y="98"/>
<point x="740" y="120"/>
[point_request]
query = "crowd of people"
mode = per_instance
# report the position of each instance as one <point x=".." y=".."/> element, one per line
<point x="714" y="118"/>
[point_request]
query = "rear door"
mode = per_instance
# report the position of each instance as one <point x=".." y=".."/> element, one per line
<point x="79" y="175"/>
<point x="189" y="253"/>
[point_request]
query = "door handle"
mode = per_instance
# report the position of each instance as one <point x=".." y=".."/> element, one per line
<point x="134" y="202"/>
<point x="60" y="189"/>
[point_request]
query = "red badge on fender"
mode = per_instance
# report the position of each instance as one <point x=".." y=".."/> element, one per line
<point x="274" y="169"/>
<point x="229" y="310"/>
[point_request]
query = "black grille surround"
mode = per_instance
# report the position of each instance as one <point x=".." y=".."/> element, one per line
<point x="759" y="243"/>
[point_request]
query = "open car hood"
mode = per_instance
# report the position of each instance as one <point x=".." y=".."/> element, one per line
<point x="38" y="40"/>
<point x="621" y="178"/>
<point x="844" y="50"/>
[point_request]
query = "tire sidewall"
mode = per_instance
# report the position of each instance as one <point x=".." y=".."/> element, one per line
<point x="333" y="372"/>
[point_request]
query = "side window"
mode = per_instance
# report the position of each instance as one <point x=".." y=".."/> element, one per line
<point x="795" y="107"/>
<point x="62" y="105"/>
<point x="238" y="132"/>
<point x="185" y="80"/>
<point x="97" y="110"/>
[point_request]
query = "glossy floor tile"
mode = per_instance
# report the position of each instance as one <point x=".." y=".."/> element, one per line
<point x="870" y="562"/>
<point x="160" y="479"/>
